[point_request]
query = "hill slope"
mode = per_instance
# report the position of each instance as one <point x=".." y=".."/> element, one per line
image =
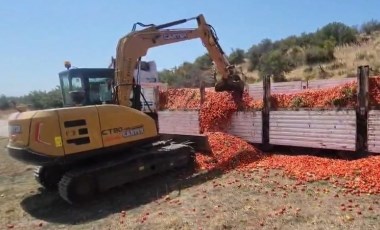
<point x="347" y="59"/>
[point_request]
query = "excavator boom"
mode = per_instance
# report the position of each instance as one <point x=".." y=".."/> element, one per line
<point x="136" y="44"/>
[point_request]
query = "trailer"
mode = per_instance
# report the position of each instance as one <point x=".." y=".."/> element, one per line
<point x="352" y="131"/>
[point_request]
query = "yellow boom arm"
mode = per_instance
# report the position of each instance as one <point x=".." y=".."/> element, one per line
<point x="136" y="44"/>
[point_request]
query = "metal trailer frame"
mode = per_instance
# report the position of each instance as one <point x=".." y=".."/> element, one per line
<point x="352" y="130"/>
<point x="345" y="129"/>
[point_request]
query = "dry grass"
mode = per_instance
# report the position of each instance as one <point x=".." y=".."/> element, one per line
<point x="183" y="200"/>
<point x="348" y="58"/>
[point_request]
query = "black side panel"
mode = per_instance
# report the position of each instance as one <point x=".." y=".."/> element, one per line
<point x="74" y="123"/>
<point x="83" y="131"/>
<point x="79" y="141"/>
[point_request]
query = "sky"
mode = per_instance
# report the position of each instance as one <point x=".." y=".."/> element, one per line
<point x="36" y="37"/>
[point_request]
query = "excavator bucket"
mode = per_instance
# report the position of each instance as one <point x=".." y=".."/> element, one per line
<point x="233" y="83"/>
<point x="198" y="142"/>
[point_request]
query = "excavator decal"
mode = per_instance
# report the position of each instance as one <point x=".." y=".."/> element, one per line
<point x="139" y="130"/>
<point x="125" y="132"/>
<point x="169" y="36"/>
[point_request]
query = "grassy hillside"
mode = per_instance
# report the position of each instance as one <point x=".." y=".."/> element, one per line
<point x="347" y="59"/>
<point x="333" y="51"/>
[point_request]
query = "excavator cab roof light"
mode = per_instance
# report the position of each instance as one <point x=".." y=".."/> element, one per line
<point x="67" y="64"/>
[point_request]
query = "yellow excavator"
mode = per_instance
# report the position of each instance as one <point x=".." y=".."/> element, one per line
<point x="83" y="150"/>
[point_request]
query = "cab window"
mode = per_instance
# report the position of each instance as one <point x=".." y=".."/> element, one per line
<point x="66" y="89"/>
<point x="70" y="85"/>
<point x="100" y="90"/>
<point x="76" y="84"/>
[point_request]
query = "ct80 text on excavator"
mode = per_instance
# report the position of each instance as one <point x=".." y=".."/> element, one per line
<point x="87" y="148"/>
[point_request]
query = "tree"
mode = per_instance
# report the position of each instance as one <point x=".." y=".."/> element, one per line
<point x="337" y="31"/>
<point x="296" y="56"/>
<point x="167" y="76"/>
<point x="203" y="62"/>
<point x="236" y="57"/>
<point x="371" y="26"/>
<point x="4" y="103"/>
<point x="275" y="63"/>
<point x="186" y="75"/>
<point x="44" y="100"/>
<point x="54" y="98"/>
<point x="190" y="74"/>
<point x="256" y="51"/>
<point x="305" y="39"/>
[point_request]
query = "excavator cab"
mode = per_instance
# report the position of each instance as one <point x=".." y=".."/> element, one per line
<point x="86" y="86"/>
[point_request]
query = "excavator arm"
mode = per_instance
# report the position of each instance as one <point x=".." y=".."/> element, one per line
<point x="136" y="44"/>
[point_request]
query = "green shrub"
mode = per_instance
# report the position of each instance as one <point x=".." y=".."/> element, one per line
<point x="315" y="55"/>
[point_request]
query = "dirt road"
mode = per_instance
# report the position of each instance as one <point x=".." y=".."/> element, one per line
<point x="184" y="200"/>
<point x="3" y="128"/>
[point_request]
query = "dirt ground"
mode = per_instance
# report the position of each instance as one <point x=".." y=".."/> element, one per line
<point x="185" y="200"/>
<point x="5" y="113"/>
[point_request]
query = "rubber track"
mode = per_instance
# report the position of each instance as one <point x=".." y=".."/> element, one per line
<point x="92" y="170"/>
<point x="37" y="172"/>
<point x="65" y="183"/>
<point x="41" y="180"/>
<point x="63" y="186"/>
